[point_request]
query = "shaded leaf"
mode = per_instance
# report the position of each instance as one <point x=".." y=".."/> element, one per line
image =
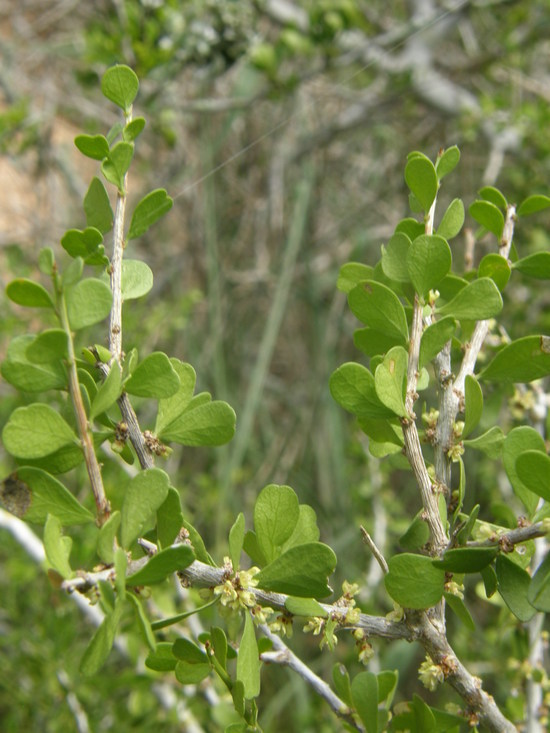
<point x="489" y="443"/>
<point x="394" y="258"/>
<point x="49" y="346"/>
<point x="364" y="693"/>
<point x="539" y="589"/>
<point x="97" y="207"/>
<point x="536" y="265"/>
<point x="342" y="684"/>
<point x="532" y="204"/>
<point x="524" y="360"/>
<point x="533" y="470"/>
<point x="428" y="261"/>
<point x="161" y="659"/>
<point x="513" y="586"/>
<point x="106" y="538"/>
<point x="161" y="565"/>
<point x="102" y="641"/>
<point x="275" y="515"/>
<point x="108" y="392"/>
<point x="435" y="337"/>
<point x="143" y="496"/>
<point x="377" y="306"/>
<point x="489" y="216"/>
<point x="169" y="518"/>
<point x="236" y="539"/>
<point x="478" y="301"/>
<point x="172" y="407"/>
<point x="473" y="399"/>
<point x="88" y="302"/>
<point x="372" y="342"/>
<point x="518" y="441"/>
<point x="305" y="530"/>
<point x="466" y="559"/>
<point x="496" y="197"/>
<point x="452" y="220"/>
<point x="305" y="607"/>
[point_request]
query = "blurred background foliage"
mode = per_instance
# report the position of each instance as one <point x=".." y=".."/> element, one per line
<point x="281" y="129"/>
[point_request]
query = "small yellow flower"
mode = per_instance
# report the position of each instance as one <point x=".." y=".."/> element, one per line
<point x="430" y="674"/>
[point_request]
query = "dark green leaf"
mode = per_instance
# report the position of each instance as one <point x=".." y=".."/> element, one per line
<point x="489" y="443"/>
<point x="162" y="659"/>
<point x="428" y="261"/>
<point x="513" y="586"/>
<point x="452" y="221"/>
<point x="416" y="535"/>
<point x="497" y="268"/>
<point x="300" y="571"/>
<point x="473" y="399"/>
<point x="377" y="306"/>
<point x="143" y="622"/>
<point x="197" y="544"/>
<point x="518" y="441"/>
<point x="536" y="265"/>
<point x="539" y="589"/>
<point x="308" y="607"/>
<point x="458" y="607"/>
<point x="351" y="274"/>
<point x="466" y="559"/>
<point x="421" y="179"/>
<point x="413" y="582"/>
<point x="115" y="167"/>
<point x="489" y="216"/>
<point x="352" y="386"/>
<point x="248" y="660"/>
<point x="88" y="302"/>
<point x="533" y="470"/>
<point x="447" y="162"/>
<point x="148" y="211"/>
<point x="36" y="431"/>
<point x="342" y="684"/>
<point x="532" y="204"/>
<point x="435" y="337"/>
<point x="492" y="194"/>
<point x="154" y="377"/>
<point x="236" y="539"/>
<point x="161" y="565"/>
<point x="478" y="301"/>
<point x="97" y="207"/>
<point x="382" y="431"/>
<point x="169" y="518"/>
<point x="524" y="360"/>
<point x="120" y="84"/>
<point x="489" y="580"/>
<point x="92" y="146"/>
<point x="218" y="640"/>
<point x="28" y="293"/>
<point x="144" y="494"/>
<point x="364" y="693"/>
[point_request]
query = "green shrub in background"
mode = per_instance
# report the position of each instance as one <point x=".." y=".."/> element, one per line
<point x="121" y="535"/>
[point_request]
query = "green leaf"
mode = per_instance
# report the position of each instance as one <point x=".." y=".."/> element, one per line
<point x="154" y="377"/>
<point x="197" y="544"/>
<point x="211" y="423"/>
<point x="97" y="207"/>
<point x="497" y="268"/>
<point x="519" y="441"/>
<point x="83" y="243"/>
<point x="394" y="258"/>
<point x="28" y="293"/>
<point x="300" y="571"/>
<point x="161" y="565"/>
<point x="137" y="279"/>
<point x="307" y="607"/>
<point x="351" y="274"/>
<point x="92" y="146"/>
<point x="466" y="559"/>
<point x="143" y="622"/>
<point x="161" y="659"/>
<point x="165" y="622"/>
<point x="143" y="496"/>
<point x="73" y="272"/>
<point x="120" y="84"/>
<point x="411" y="227"/>
<point x="352" y="386"/>
<point x="88" y="302"/>
<point x="428" y="261"/>
<point x="372" y="342"/>
<point x="452" y="220"/>
<point x="248" y="660"/>
<point x="151" y="208"/>
<point x="489" y="443"/>
<point x="416" y="535"/>
<point x="49" y="346"/>
<point x="102" y="641"/>
<point x="513" y="586"/>
<point x="364" y="693"/>
<point x="478" y="301"/>
<point x="36" y="431"/>
<point x="524" y="360"/>
<point x="115" y="167"/>
<point x="275" y="515"/>
<point x="305" y="530"/>
<point x="46" y="261"/>
<point x="106" y="538"/>
<point x="489" y="580"/>
<point x="377" y="306"/>
<point x="57" y="547"/>
<point x="342" y="684"/>
<point x="218" y="639"/>
<point x="413" y="581"/>
<point x="108" y="392"/>
<point x="169" y="518"/>
<point x="447" y="162"/>
<point x="489" y="216"/>
<point x="382" y="431"/>
<point x="421" y="178"/>
<point x="532" y="204"/>
<point x="133" y="129"/>
<point x="473" y="400"/>
<point x="236" y="539"/>
<point x="390" y="380"/>
<point x="533" y="470"/>
<point x="172" y="407"/>
<point x="539" y="589"/>
<point x="496" y="197"/>
<point x="457" y="605"/>
<point x="536" y="265"/>
<point x="435" y="337"/>
<point x="423" y="716"/>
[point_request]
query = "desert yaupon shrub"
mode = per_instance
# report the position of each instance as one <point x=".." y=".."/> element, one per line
<point x="423" y="329"/>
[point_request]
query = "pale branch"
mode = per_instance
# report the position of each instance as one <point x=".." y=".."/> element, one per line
<point x="379" y="557"/>
<point x="508" y="540"/>
<point x="284" y="656"/>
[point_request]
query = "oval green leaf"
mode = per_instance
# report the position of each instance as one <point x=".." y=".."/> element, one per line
<point x="88" y="302"/>
<point x="301" y="571"/>
<point x="413" y="581"/>
<point x="161" y="565"/>
<point x="144" y="494"/>
<point x="28" y="293"/>
<point x="421" y="179"/>
<point x="120" y="84"/>
<point x="524" y="360"/>
<point x="92" y="146"/>
<point x="153" y="377"/>
<point x="352" y="386"/>
<point x="477" y="301"/>
<point x="452" y="220"/>
<point x="434" y="339"/>
<point x="390" y="380"/>
<point x="276" y="513"/>
<point x="533" y="470"/>
<point x="489" y="216"/>
<point x="137" y="279"/>
<point x="210" y="423"/>
<point x="428" y="261"/>
<point x="447" y="162"/>
<point x="36" y="431"/>
<point x="532" y="204"/>
<point x="473" y="404"/>
<point x="97" y="207"/>
<point x="248" y="660"/>
<point x="518" y="441"/>
<point x="536" y="265"/>
<point x="148" y="211"/>
<point x="394" y="258"/>
<point x="377" y="306"/>
<point x="513" y="586"/>
<point x="466" y="559"/>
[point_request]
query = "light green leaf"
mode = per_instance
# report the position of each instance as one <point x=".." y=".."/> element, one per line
<point x="161" y="565"/>
<point x="120" y="84"/>
<point x="447" y="162"/>
<point x="36" y="431"/>
<point x="28" y="293"/>
<point x="116" y="165"/>
<point x="428" y="261"/>
<point x="473" y="400"/>
<point x="218" y="639"/>
<point x="411" y="227"/>
<point x="421" y="179"/>
<point x="539" y="589"/>
<point x="352" y="386"/>
<point x="413" y="581"/>
<point x="137" y="279"/>
<point x="382" y="431"/>
<point x="513" y="586"/>
<point x="275" y="515"/>
<point x="342" y="684"/>
<point x="210" y="423"/>
<point x="533" y="470"/>
<point x="489" y="443"/>
<point x="536" y="265"/>
<point x="307" y="607"/>
<point x="143" y="622"/>
<point x="46" y="260"/>
<point x="300" y="571"/>
<point x="248" y="660"/>
<point x="435" y="337"/>
<point x="169" y="518"/>
<point x="305" y="530"/>
<point x="148" y="211"/>
<point x="364" y="693"/>
<point x="478" y="301"/>
<point x="172" y="407"/>
<point x="390" y="380"/>
<point x="532" y="204"/>
<point x="189" y="673"/>
<point x="49" y="346"/>
<point x="108" y="392"/>
<point x="97" y="207"/>
<point x="394" y="258"/>
<point x="153" y="377"/>
<point x="489" y="216"/>
<point x="86" y="244"/>
<point x="106" y="538"/>
<point x="88" y="302"/>
<point x="102" y="641"/>
<point x="377" y="306"/>
<point x="519" y="441"/>
<point x="466" y="559"/>
<point x="236" y="539"/>
<point x="497" y="268"/>
<point x="92" y="146"/>
<point x="143" y="496"/>
<point x="496" y="197"/>
<point x="133" y="129"/>
<point x="524" y="360"/>
<point x="452" y="220"/>
<point x="73" y="272"/>
<point x="57" y="547"/>
<point x="351" y="274"/>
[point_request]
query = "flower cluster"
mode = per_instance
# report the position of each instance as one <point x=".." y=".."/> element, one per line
<point x="234" y="591"/>
<point x="430" y="674"/>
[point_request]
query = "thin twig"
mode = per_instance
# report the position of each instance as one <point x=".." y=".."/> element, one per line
<point x="367" y="539"/>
